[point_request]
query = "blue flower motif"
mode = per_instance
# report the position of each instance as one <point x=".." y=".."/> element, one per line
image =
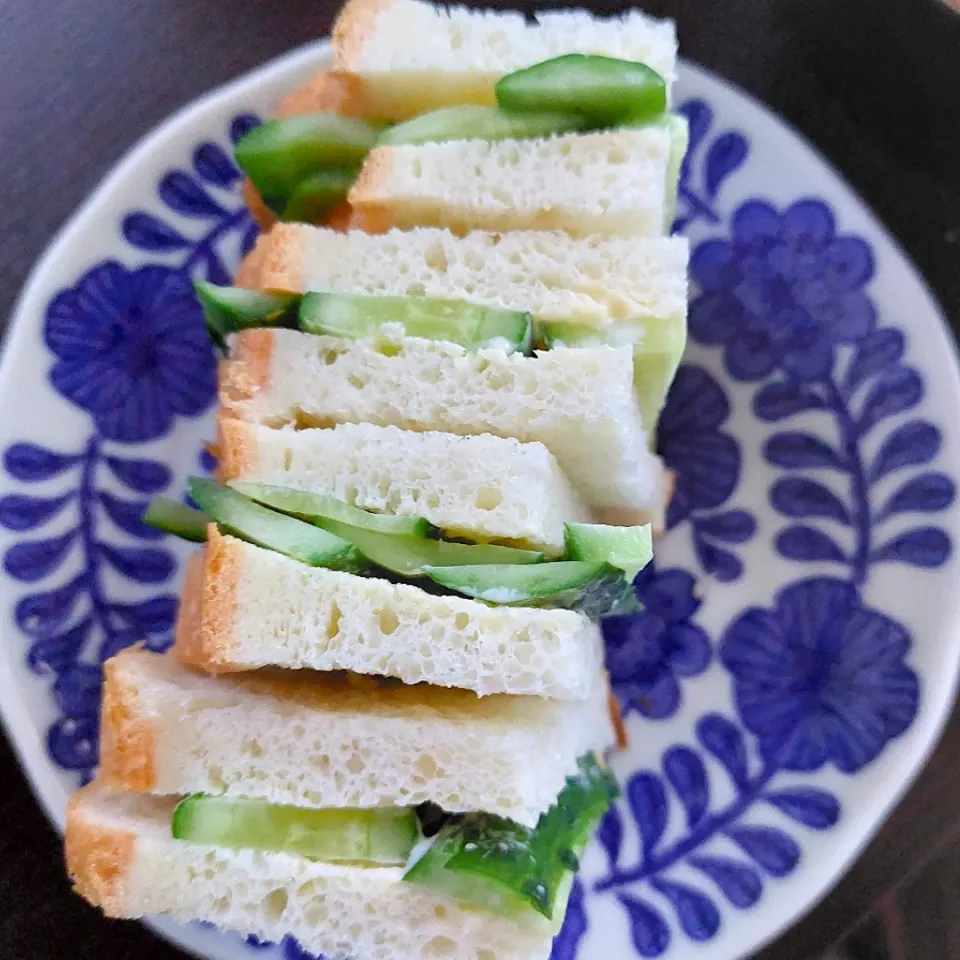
<point x="782" y="291"/>
<point x="821" y="678"/>
<point x="647" y="652"/>
<point x="704" y="459"/>
<point x="132" y="349"/>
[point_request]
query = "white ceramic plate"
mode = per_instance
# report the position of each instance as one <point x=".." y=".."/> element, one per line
<point x="800" y="650"/>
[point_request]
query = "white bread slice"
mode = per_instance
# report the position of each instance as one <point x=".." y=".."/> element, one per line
<point x="484" y="487"/>
<point x="612" y="182"/>
<point x="579" y="403"/>
<point x="593" y="281"/>
<point x="122" y="858"/>
<point x="244" y="607"/>
<point x="317" y="740"/>
<point x="413" y="56"/>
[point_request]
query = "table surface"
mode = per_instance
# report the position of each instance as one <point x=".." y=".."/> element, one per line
<point x="85" y="80"/>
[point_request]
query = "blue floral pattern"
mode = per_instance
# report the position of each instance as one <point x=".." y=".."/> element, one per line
<point x="819" y="678"/>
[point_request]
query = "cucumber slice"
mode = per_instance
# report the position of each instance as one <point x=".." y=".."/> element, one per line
<point x="228" y="309"/>
<point x="250" y="521"/>
<point x="314" y="506"/>
<point x="594" y="589"/>
<point x="380" y="835"/>
<point x="658" y="349"/>
<point x="473" y="122"/>
<point x="468" y="324"/>
<point x="497" y="865"/>
<point x="177" y="518"/>
<point x="410" y="556"/>
<point x="279" y="155"/>
<point x="628" y="549"/>
<point x="679" y="129"/>
<point x="510" y="584"/>
<point x="604" y="90"/>
<point x="314" y="198"/>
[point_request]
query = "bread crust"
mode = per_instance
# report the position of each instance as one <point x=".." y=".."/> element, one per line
<point x="209" y="605"/>
<point x="239" y="450"/>
<point x="264" y="217"/>
<point x="127" y="735"/>
<point x="352" y="29"/>
<point x="98" y="858"/>
<point x="248" y="273"/>
<point x="247" y="372"/>
<point x="281" y="255"/>
<point x="325" y="92"/>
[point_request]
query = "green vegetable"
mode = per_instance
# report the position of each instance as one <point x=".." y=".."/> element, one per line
<point x="558" y="583"/>
<point x="679" y="130"/>
<point x="177" y="518"/>
<point x="250" y="521"/>
<point x="473" y="122"/>
<point x="604" y="90"/>
<point x="315" y="506"/>
<point x="409" y="556"/>
<point x="381" y="835"/>
<point x="279" y="155"/>
<point x="228" y="309"/>
<point x="627" y="548"/>
<point x="468" y="324"/>
<point x="497" y="865"/>
<point x="315" y="196"/>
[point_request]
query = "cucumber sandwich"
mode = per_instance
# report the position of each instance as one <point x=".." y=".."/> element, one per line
<point x="383" y="724"/>
<point x="279" y="805"/>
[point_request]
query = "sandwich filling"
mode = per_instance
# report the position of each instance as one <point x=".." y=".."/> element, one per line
<point x="595" y="576"/>
<point x="480" y="859"/>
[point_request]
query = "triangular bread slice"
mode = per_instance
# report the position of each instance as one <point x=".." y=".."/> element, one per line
<point x="318" y="740"/>
<point x="413" y="56"/>
<point x="244" y="607"/>
<point x="579" y="403"/>
<point x="122" y="858"/>
<point x="483" y="487"/>
<point x="612" y="182"/>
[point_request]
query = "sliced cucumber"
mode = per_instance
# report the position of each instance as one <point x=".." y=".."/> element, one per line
<point x="382" y="835"/>
<point x="255" y="523"/>
<point x="410" y="556"/>
<point x="177" y="518"/>
<point x="497" y="865"/>
<point x="468" y="324"/>
<point x="314" y="197"/>
<point x="628" y="549"/>
<point x="511" y="584"/>
<point x="279" y="155"/>
<point x="228" y="309"/>
<point x="473" y="122"/>
<point x="658" y="349"/>
<point x="604" y="90"/>
<point x="679" y="129"/>
<point x="315" y="506"/>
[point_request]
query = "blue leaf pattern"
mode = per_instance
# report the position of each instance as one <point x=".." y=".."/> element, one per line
<point x="927" y="493"/>
<point x="727" y="153"/>
<point x="777" y="401"/>
<point x="648" y="803"/>
<point x="895" y="391"/>
<point x="813" y="808"/>
<point x="648" y="930"/>
<point x="793" y="450"/>
<point x="688" y="777"/>
<point x="179" y="191"/>
<point x="699" y="918"/>
<point x="143" y="565"/>
<point x="144" y="476"/>
<point x="25" y="513"/>
<point x="128" y="516"/>
<point x="36" y="559"/>
<point x="723" y="740"/>
<point x="808" y="545"/>
<point x="921" y="547"/>
<point x="146" y="232"/>
<point x="740" y="884"/>
<point x="30" y="463"/>
<point x="802" y="498"/>
<point x="771" y="849"/>
<point x="213" y="164"/>
<point x="610" y="835"/>
<point x="911" y="445"/>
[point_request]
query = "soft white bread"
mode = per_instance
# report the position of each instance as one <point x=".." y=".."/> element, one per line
<point x="585" y="184"/>
<point x="122" y="858"/>
<point x="244" y="607"/>
<point x="413" y="56"/>
<point x="318" y="740"/>
<point x="484" y="487"/>
<point x="579" y="403"/>
<point x="556" y="277"/>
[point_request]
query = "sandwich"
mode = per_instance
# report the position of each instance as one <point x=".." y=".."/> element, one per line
<point x="522" y="113"/>
<point x="393" y="821"/>
<point x="384" y="723"/>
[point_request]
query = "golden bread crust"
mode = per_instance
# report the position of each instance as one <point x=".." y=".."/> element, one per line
<point x="98" y="858"/>
<point x="127" y="736"/>
<point x="246" y="372"/>
<point x="325" y="92"/>
<point x="239" y="450"/>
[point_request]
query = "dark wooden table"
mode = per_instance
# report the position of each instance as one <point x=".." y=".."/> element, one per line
<point x="83" y="79"/>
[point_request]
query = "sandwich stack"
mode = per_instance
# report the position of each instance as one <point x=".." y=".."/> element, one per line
<point x="384" y="723"/>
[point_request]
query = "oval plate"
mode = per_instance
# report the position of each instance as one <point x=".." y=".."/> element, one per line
<point x="800" y="651"/>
